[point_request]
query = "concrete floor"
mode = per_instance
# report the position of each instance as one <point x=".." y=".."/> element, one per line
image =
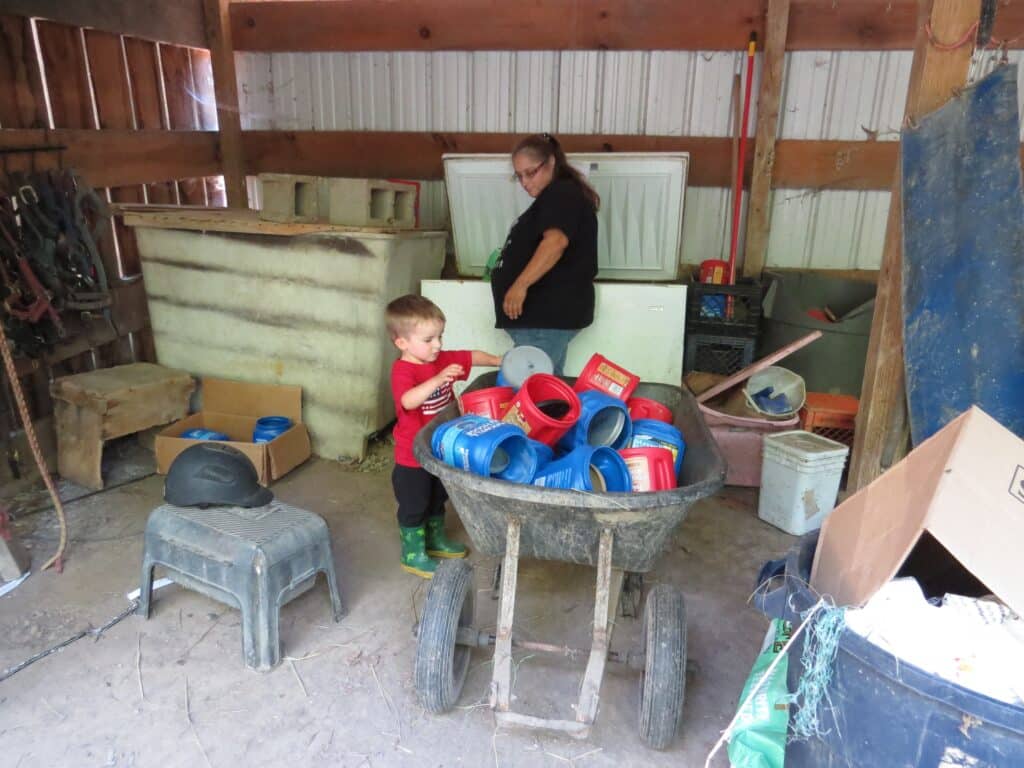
<point x="173" y="691"/>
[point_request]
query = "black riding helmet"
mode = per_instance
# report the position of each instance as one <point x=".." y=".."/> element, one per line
<point x="210" y="474"/>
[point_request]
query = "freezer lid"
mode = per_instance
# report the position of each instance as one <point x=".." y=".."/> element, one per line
<point x="639" y="224"/>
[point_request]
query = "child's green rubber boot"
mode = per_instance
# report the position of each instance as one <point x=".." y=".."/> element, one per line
<point x="414" y="555"/>
<point x="439" y="545"/>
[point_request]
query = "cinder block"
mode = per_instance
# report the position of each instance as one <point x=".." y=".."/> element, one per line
<point x="290" y="198"/>
<point x="370" y="203"/>
<point x="14" y="560"/>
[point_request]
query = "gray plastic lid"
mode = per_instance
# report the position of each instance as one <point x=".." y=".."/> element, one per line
<point x="519" y="363"/>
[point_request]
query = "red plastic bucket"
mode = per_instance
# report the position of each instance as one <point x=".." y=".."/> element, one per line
<point x="545" y="408"/>
<point x="602" y="374"/>
<point x="642" y="408"/>
<point x="651" y="469"/>
<point x="492" y="402"/>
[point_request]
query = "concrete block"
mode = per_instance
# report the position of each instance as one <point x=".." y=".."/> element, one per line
<point x="14" y="560"/>
<point x="370" y="203"/>
<point x="290" y="198"/>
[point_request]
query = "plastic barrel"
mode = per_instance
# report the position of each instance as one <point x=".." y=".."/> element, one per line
<point x="536" y="408"/>
<point x="643" y="408"/>
<point x="545" y="453"/>
<point x="204" y="434"/>
<point x="602" y="374"/>
<point x="485" y="447"/>
<point x="648" y="433"/>
<point x="651" y="469"/>
<point x="269" y="427"/>
<point x="520" y="363"/>
<point x="492" y="402"/>
<point x="588" y="468"/>
<point x="604" y="420"/>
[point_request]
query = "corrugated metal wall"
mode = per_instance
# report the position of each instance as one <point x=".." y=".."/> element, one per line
<point x="827" y="95"/>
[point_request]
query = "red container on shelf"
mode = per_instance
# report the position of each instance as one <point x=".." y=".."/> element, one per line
<point x="492" y="402"/>
<point x="714" y="271"/>
<point x="651" y="469"/>
<point x="602" y="374"/>
<point x="643" y="408"/>
<point x="545" y="408"/>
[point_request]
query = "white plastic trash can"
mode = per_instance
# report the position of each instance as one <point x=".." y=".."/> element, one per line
<point x="800" y="474"/>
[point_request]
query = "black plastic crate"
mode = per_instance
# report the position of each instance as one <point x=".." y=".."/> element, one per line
<point x="725" y="309"/>
<point x="713" y="353"/>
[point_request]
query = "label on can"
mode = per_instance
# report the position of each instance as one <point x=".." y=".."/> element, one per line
<point x="639" y="473"/>
<point x="515" y="416"/>
<point x="610" y="379"/>
<point x="643" y="441"/>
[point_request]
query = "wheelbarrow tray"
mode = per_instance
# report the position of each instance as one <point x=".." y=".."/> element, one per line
<point x="566" y="525"/>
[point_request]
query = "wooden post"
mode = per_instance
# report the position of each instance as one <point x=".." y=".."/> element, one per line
<point x="934" y="74"/>
<point x="768" y="99"/>
<point x="225" y="84"/>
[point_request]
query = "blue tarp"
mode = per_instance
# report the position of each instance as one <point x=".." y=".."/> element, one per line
<point x="963" y="259"/>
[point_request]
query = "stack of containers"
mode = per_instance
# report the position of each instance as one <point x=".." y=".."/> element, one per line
<point x="799" y="480"/>
<point x="586" y="438"/>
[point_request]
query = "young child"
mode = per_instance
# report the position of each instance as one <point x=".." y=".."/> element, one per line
<point x="421" y="383"/>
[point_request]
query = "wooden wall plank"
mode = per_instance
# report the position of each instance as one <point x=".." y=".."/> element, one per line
<point x="115" y="158"/>
<point x="430" y="25"/>
<point x="222" y="56"/>
<point x="206" y="96"/>
<point x="768" y="100"/>
<point x="67" y="77"/>
<point x="22" y="104"/>
<point x="799" y="164"/>
<point x="881" y="419"/>
<point x="110" y="77"/>
<point x="144" y="71"/>
<point x="131" y="263"/>
<point x="172" y="21"/>
<point x="179" y="91"/>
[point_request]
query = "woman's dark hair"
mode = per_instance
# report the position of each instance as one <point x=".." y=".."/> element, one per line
<point x="543" y="146"/>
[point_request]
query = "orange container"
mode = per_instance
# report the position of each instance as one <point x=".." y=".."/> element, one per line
<point x="602" y="374"/>
<point x="530" y="408"/>
<point x="831" y="416"/>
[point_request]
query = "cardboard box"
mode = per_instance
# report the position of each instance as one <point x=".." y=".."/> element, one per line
<point x="964" y="486"/>
<point x="233" y="407"/>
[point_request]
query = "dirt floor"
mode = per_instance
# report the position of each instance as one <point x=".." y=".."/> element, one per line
<point x="173" y="691"/>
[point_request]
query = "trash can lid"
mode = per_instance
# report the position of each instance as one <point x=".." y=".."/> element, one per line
<point x="519" y="363"/>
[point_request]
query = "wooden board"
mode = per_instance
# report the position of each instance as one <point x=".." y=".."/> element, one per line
<point x="22" y="104"/>
<point x="130" y="262"/>
<point x="110" y="74"/>
<point x="799" y="164"/>
<point x="179" y="87"/>
<point x="67" y="76"/>
<point x="173" y="21"/>
<point x="431" y="25"/>
<point x="881" y="418"/>
<point x="206" y="97"/>
<point x="222" y="58"/>
<point x="144" y="74"/>
<point x="116" y="158"/>
<point x="768" y="100"/>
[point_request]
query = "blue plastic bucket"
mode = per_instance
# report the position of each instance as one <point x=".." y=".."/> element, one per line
<point x="204" y="434"/>
<point x="269" y="427"/>
<point x="604" y="420"/>
<point x="651" y="433"/>
<point x="485" y="447"/>
<point x="587" y="468"/>
<point x="545" y="453"/>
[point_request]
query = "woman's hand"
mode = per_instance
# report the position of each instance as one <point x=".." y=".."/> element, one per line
<point x="514" y="299"/>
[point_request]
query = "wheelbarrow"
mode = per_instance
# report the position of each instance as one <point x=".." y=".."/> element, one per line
<point x="622" y="534"/>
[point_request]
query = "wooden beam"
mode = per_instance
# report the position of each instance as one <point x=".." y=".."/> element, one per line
<point x="170" y="21"/>
<point x="116" y="158"/>
<point x="467" y="25"/>
<point x="799" y="164"/>
<point x="768" y="100"/>
<point x="225" y="82"/>
<point x="22" y="103"/>
<point x="934" y="74"/>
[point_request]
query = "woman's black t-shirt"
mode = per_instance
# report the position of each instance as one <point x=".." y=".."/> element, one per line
<point x="564" y="297"/>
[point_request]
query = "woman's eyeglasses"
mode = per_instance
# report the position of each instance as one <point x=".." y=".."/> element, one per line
<point x="528" y="174"/>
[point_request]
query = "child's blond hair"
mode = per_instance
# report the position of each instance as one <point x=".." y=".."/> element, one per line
<point x="402" y="314"/>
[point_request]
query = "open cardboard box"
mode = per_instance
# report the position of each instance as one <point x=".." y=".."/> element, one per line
<point x="232" y="407"/>
<point x="964" y="486"/>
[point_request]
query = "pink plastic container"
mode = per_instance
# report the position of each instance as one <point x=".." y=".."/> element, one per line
<point x="741" y="440"/>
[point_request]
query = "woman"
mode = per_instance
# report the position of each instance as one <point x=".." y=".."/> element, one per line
<point x="543" y="283"/>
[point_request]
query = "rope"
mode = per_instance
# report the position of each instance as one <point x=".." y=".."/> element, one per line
<point x="967" y="37"/>
<point x="818" y="660"/>
<point x="30" y="432"/>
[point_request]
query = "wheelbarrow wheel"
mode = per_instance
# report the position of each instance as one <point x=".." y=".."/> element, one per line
<point x="441" y="663"/>
<point x="663" y="683"/>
